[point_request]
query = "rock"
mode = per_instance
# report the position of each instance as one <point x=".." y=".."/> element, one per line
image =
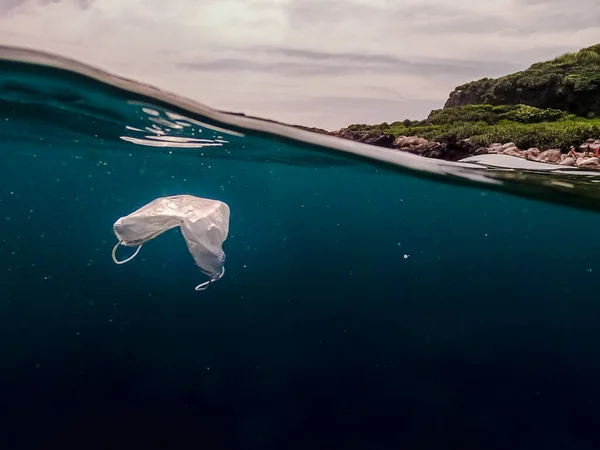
<point x="430" y="150"/>
<point x="449" y="151"/>
<point x="508" y="145"/>
<point x="550" y="156"/>
<point x="495" y="148"/>
<point x="590" y="146"/>
<point x="510" y="149"/>
<point x="409" y="141"/>
<point x="532" y="153"/>
<point x="382" y="140"/>
<point x="401" y="141"/>
<point x="567" y="162"/>
<point x="514" y="151"/>
<point x="367" y="137"/>
<point x="588" y="162"/>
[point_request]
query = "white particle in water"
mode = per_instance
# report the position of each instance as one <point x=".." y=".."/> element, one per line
<point x="406" y="256"/>
<point x="589" y="269"/>
<point x="151" y="112"/>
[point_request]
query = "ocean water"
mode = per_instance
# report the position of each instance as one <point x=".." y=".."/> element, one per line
<point x="372" y="299"/>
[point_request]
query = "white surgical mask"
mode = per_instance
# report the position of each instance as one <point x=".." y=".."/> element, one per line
<point x="204" y="224"/>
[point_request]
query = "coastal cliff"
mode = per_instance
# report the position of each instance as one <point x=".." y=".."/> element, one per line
<point x="548" y="109"/>
<point x="569" y="82"/>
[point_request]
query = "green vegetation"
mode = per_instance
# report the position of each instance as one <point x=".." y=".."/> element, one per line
<point x="552" y="104"/>
<point x="493" y="115"/>
<point x="570" y="83"/>
<point x="483" y="125"/>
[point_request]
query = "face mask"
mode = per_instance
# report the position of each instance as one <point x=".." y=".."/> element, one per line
<point x="204" y="224"/>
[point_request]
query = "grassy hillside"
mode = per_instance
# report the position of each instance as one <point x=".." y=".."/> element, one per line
<point x="570" y="83"/>
<point x="553" y="104"/>
<point x="524" y="125"/>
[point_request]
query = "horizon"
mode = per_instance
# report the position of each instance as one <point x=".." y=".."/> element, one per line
<point x="322" y="64"/>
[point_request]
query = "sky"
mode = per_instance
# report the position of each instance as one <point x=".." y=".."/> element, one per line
<point x="323" y="63"/>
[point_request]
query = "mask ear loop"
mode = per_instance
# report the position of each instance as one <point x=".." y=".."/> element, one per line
<point x="204" y="286"/>
<point x="114" y="253"/>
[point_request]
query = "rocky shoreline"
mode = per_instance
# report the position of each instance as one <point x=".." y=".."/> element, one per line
<point x="453" y="150"/>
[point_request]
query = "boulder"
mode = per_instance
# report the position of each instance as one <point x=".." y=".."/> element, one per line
<point x="588" y="162"/>
<point x="511" y="149"/>
<point x="367" y="137"/>
<point x="449" y="151"/>
<point x="567" y="162"/>
<point x="550" y="156"/>
<point x="514" y="151"/>
<point x="532" y="153"/>
<point x="591" y="146"/>
<point x="409" y="141"/>
<point x="380" y="140"/>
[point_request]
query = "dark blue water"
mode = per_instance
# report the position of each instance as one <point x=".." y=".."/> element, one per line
<point x="363" y="307"/>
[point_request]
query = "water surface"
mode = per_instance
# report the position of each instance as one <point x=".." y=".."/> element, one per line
<point x="373" y="299"/>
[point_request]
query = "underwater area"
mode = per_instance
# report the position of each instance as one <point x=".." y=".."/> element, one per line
<point x="372" y="299"/>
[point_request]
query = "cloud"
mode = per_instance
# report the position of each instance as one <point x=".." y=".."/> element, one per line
<point x="291" y="60"/>
<point x="300" y="63"/>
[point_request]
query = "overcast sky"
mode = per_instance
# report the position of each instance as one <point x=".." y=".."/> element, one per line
<point x="325" y="63"/>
